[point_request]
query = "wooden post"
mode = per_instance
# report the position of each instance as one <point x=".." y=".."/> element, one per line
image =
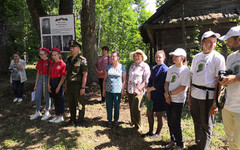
<point x="184" y="29"/>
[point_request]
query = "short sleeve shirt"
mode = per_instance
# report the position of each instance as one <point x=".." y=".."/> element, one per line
<point x="15" y="73"/>
<point x="58" y="69"/>
<point x="138" y="74"/>
<point x="233" y="91"/>
<point x="178" y="77"/>
<point x="204" y="69"/>
<point x="101" y="63"/>
<point x="43" y="66"/>
<point x="75" y="68"/>
<point x="114" y="78"/>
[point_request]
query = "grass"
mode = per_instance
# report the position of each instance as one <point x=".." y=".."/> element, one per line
<point x="18" y="132"/>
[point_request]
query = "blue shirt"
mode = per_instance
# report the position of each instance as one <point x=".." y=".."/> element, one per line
<point x="157" y="80"/>
<point x="114" y="78"/>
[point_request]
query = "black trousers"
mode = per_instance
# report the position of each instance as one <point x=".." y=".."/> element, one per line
<point x="101" y="87"/>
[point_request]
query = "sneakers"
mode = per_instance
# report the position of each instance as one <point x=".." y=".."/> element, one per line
<point x="15" y="99"/>
<point x="53" y="119"/>
<point x="46" y="116"/>
<point x="170" y="144"/>
<point x="20" y="100"/>
<point x="59" y="119"/>
<point x="36" y="115"/>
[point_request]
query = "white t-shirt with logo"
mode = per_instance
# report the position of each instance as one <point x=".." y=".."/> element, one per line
<point x="233" y="91"/>
<point x="178" y="77"/>
<point x="204" y="69"/>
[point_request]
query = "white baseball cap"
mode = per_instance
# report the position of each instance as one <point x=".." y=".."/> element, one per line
<point x="234" y="31"/>
<point x="209" y="34"/>
<point x="179" y="52"/>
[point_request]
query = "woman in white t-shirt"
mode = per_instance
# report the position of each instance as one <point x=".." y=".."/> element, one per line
<point x="177" y="82"/>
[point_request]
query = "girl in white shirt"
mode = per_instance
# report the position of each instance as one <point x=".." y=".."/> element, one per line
<point x="177" y="82"/>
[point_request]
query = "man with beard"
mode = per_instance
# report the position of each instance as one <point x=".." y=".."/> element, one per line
<point x="231" y="110"/>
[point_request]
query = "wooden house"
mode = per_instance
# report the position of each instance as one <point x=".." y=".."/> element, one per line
<point x="181" y="23"/>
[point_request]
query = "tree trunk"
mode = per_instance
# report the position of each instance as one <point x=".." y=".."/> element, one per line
<point x="89" y="42"/>
<point x="36" y="10"/>
<point x="65" y="7"/>
<point x="4" y="58"/>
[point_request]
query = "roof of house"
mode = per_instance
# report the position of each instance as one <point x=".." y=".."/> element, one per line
<point x="173" y="12"/>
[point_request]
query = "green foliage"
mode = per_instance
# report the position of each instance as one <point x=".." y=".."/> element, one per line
<point x="160" y="2"/>
<point x="21" y="34"/>
<point x="117" y="25"/>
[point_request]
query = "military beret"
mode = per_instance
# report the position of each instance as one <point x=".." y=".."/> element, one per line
<point x="56" y="49"/>
<point x="45" y="49"/>
<point x="73" y="43"/>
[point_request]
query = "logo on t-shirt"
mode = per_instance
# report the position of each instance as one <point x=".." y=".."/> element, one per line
<point x="174" y="77"/>
<point x="200" y="67"/>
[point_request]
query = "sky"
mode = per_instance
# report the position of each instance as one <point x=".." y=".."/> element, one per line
<point x="151" y="6"/>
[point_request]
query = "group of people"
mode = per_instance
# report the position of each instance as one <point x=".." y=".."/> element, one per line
<point x="163" y="88"/>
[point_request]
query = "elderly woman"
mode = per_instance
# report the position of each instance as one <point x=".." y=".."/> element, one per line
<point x="139" y="73"/>
<point x="41" y="84"/>
<point x="99" y="68"/>
<point x="18" y="76"/>
<point x="113" y="87"/>
<point x="155" y="92"/>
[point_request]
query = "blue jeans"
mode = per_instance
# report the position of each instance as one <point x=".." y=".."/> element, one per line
<point x="58" y="99"/>
<point x="174" y="112"/>
<point x="42" y="90"/>
<point x="18" y="88"/>
<point x="110" y="99"/>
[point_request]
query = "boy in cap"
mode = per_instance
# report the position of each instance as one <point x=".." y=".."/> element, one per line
<point x="76" y="79"/>
<point x="205" y="67"/>
<point x="231" y="110"/>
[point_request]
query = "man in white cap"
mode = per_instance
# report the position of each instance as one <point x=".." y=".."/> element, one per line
<point x="231" y="110"/>
<point x="205" y="67"/>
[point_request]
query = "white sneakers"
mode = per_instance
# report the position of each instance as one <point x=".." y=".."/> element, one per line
<point x="36" y="115"/>
<point x="57" y="119"/>
<point x="46" y="115"/>
<point x="53" y="119"/>
<point x="20" y="99"/>
<point x="15" y="99"/>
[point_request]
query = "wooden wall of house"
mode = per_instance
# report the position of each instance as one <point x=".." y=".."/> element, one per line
<point x="169" y="39"/>
<point x="203" y="7"/>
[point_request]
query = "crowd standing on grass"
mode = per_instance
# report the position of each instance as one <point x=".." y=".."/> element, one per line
<point x="165" y="88"/>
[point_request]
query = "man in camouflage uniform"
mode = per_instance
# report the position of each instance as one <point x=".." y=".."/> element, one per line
<point x="76" y="79"/>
